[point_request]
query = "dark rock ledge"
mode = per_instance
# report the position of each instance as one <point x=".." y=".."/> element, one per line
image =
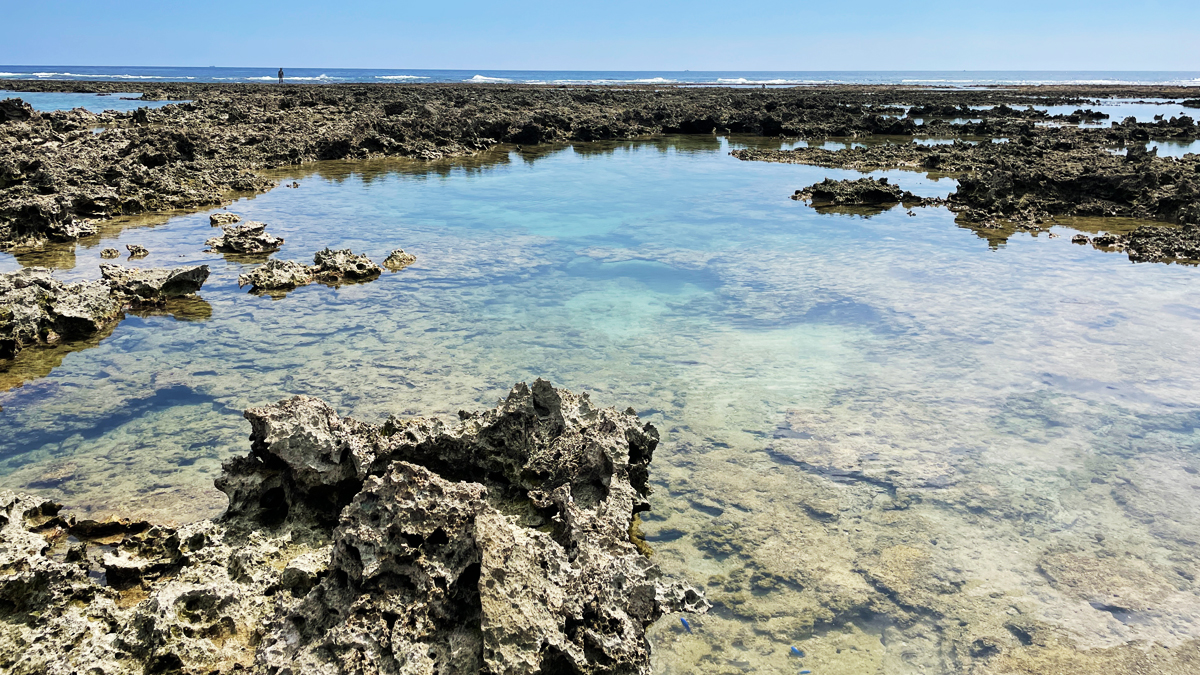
<point x="500" y="545"/>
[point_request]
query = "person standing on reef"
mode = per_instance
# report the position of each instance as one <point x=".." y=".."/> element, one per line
<point x="281" y="76"/>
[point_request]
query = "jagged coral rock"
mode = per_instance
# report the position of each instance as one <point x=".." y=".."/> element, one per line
<point x="359" y="548"/>
<point x="398" y="260"/>
<point x="249" y="237"/>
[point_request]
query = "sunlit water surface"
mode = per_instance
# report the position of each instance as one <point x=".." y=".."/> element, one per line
<point x="882" y="438"/>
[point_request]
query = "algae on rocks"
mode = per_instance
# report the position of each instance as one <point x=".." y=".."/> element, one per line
<point x="357" y="548"/>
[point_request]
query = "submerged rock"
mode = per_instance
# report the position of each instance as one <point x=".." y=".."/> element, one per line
<point x="398" y="260"/>
<point x="358" y="548"/>
<point x="249" y="237"/>
<point x="329" y="267"/>
<point x="38" y="309"/>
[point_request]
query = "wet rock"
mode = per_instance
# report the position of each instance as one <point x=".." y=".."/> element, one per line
<point x="332" y="267"/>
<point x="137" y="251"/>
<point x="1162" y="244"/>
<point x="223" y="218"/>
<point x="110" y="253"/>
<point x="153" y="286"/>
<point x="249" y="237"/>
<point x="398" y="260"/>
<point x="354" y="548"/>
<point x="329" y="267"/>
<point x="277" y="275"/>
<point x="38" y="309"/>
<point x="1080" y="239"/>
<point x="860" y="192"/>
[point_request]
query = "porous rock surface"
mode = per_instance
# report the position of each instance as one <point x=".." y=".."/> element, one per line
<point x="249" y="237"/>
<point x="398" y="260"/>
<point x="223" y="218"/>
<point x="36" y="308"/>
<point x="499" y="545"/>
<point x="329" y="267"/>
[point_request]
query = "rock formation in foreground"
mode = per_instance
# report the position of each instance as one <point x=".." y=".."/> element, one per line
<point x="38" y="309"/>
<point x="500" y="545"/>
<point x="329" y="267"/>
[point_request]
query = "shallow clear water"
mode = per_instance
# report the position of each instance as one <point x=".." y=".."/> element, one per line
<point x="881" y="437"/>
<point x="47" y="101"/>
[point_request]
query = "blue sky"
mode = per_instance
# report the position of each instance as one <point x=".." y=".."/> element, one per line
<point x="614" y="35"/>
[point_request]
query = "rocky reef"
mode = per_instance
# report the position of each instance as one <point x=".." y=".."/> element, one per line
<point x="38" y="309"/>
<point x="329" y="267"/>
<point x="57" y="177"/>
<point x="499" y="545"/>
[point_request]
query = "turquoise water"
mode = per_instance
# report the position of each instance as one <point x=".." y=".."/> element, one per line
<point x="879" y="433"/>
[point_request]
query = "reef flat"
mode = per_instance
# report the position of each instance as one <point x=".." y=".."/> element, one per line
<point x="58" y="177"/>
<point x="501" y="545"/>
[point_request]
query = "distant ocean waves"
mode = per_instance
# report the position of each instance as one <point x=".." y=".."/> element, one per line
<point x="948" y="79"/>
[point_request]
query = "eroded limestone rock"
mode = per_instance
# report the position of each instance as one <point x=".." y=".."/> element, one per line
<point x="223" y="218"/>
<point x="249" y="237"/>
<point x="329" y="267"/>
<point x="36" y="308"/>
<point x="398" y="260"/>
<point x="348" y="547"/>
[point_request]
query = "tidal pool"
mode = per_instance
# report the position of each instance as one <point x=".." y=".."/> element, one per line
<point x="884" y="442"/>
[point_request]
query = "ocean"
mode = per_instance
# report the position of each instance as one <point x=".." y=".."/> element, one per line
<point x="955" y="79"/>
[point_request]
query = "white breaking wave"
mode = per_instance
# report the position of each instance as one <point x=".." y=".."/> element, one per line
<point x="322" y="78"/>
<point x="481" y="78"/>
<point x="402" y="77"/>
<point x="742" y="80"/>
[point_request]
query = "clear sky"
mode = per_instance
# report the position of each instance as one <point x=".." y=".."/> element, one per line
<point x="613" y="35"/>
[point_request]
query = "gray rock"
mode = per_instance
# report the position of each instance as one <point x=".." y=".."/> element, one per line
<point x="329" y="267"/>
<point x="137" y="251"/>
<point x="223" y="218"/>
<point x="342" y="265"/>
<point x="153" y="286"/>
<point x="110" y="253"/>
<point x="249" y="237"/>
<point x="398" y="260"/>
<point x="358" y="548"/>
<point x="277" y="275"/>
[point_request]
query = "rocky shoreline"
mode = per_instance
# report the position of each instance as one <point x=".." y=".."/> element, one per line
<point x="58" y="177"/>
<point x="505" y="544"/>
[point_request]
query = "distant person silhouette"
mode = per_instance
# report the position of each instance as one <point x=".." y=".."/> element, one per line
<point x="281" y="76"/>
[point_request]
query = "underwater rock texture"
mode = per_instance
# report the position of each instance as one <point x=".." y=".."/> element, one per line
<point x="500" y="545"/>
<point x="38" y="309"/>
